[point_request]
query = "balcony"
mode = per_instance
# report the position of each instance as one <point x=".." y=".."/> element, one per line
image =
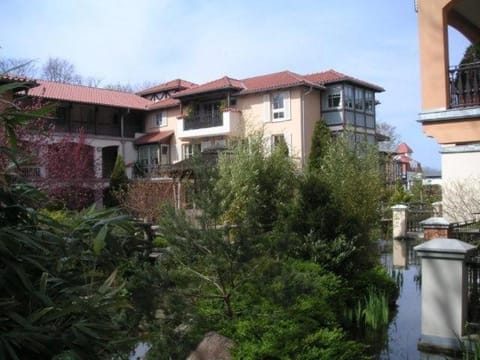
<point x="201" y="121"/>
<point x="465" y="85"/>
<point x="213" y="124"/>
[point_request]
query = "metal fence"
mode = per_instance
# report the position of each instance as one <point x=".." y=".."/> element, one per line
<point x="416" y="214"/>
<point x="473" y="273"/>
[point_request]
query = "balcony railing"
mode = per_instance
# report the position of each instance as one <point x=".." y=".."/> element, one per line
<point x="201" y="121"/>
<point x="465" y="85"/>
<point x="99" y="129"/>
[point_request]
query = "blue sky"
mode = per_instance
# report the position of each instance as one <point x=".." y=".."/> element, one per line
<point x="200" y="40"/>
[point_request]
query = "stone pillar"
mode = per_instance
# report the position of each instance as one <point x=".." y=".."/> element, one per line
<point x="436" y="227"/>
<point x="400" y="254"/>
<point x="399" y="221"/>
<point x="444" y="292"/>
<point x="437" y="209"/>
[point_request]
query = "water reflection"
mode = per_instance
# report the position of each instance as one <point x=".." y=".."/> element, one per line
<point x="404" y="330"/>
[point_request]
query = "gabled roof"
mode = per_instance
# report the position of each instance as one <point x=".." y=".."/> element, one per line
<point x="164" y="104"/>
<point x="154" y="137"/>
<point x="279" y="80"/>
<point x="332" y="76"/>
<point x="89" y="95"/>
<point x="403" y="148"/>
<point x="177" y="84"/>
<point x="224" y="83"/>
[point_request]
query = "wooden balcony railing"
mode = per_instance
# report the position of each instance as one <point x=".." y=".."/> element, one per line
<point x="201" y="121"/>
<point x="465" y="85"/>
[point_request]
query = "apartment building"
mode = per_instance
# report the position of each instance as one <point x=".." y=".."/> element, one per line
<point x="451" y="92"/>
<point x="284" y="106"/>
<point x="168" y="123"/>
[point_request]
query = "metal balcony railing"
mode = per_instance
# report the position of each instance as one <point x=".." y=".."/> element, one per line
<point x="465" y="85"/>
<point x="201" y="121"/>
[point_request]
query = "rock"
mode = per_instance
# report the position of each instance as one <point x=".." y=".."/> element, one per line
<point x="213" y="347"/>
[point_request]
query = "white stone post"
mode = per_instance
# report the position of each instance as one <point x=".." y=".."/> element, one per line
<point x="437" y="209"/>
<point x="399" y="221"/>
<point x="400" y="257"/>
<point x="444" y="292"/>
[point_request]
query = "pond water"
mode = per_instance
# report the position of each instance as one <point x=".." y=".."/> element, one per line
<point x="404" y="330"/>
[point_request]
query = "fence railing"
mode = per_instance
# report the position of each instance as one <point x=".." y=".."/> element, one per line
<point x="416" y="214"/>
<point x="200" y="121"/>
<point x="468" y="232"/>
<point x="473" y="273"/>
<point x="465" y="85"/>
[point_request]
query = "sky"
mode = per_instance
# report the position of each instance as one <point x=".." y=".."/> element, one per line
<point x="120" y="41"/>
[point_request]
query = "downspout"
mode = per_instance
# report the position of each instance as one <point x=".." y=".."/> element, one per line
<point x="303" y="125"/>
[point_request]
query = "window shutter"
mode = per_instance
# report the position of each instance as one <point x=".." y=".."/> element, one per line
<point x="288" y="141"/>
<point x="287" y="105"/>
<point x="267" y="108"/>
<point x="164" y="118"/>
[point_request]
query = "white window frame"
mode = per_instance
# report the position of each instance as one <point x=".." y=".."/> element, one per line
<point x="161" y="119"/>
<point x="278" y="106"/>
<point x="188" y="150"/>
<point x="279" y="113"/>
<point x="164" y="158"/>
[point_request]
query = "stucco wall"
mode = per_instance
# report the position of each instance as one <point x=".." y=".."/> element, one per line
<point x="253" y="117"/>
<point x="433" y="38"/>
<point x="461" y="185"/>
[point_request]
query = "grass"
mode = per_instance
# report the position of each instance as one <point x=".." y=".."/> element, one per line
<point x="372" y="311"/>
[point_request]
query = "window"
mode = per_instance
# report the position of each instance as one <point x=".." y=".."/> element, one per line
<point x="359" y="99"/>
<point x="348" y="97"/>
<point x="191" y="149"/>
<point x="369" y="101"/>
<point x="279" y="140"/>
<point x="154" y="154"/>
<point x="334" y="98"/>
<point x="164" y="154"/>
<point x="278" y="106"/>
<point x="161" y="119"/>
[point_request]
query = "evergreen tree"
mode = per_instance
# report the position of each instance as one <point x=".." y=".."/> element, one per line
<point x="118" y="182"/>
<point x="321" y="141"/>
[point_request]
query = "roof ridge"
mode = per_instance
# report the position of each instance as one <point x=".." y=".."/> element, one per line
<point x="41" y="81"/>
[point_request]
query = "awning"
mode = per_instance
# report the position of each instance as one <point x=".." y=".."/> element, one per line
<point x="156" y="137"/>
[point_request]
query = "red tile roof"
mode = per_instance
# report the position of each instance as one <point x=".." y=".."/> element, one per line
<point x="403" y="148"/>
<point x="13" y="78"/>
<point x="215" y="85"/>
<point x="177" y="84"/>
<point x="90" y="95"/>
<point x="332" y="76"/>
<point x="22" y="82"/>
<point x="164" y="104"/>
<point x="279" y="80"/>
<point x="284" y="79"/>
<point x="154" y="137"/>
